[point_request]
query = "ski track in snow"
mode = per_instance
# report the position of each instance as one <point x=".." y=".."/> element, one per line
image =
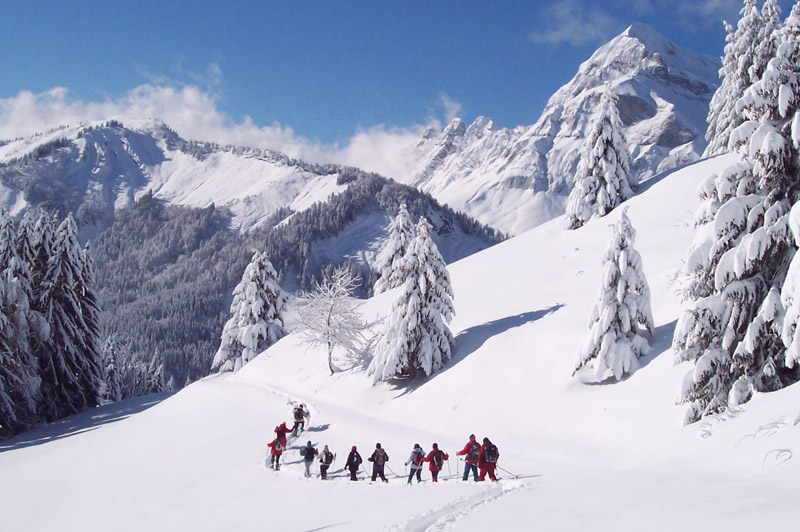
<point x="445" y="517"/>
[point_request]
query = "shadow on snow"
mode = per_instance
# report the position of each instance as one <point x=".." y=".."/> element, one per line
<point x="470" y="340"/>
<point x="661" y="343"/>
<point x="83" y="422"/>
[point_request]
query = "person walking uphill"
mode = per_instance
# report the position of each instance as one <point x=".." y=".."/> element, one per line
<point x="436" y="457"/>
<point x="472" y="449"/>
<point x="276" y="450"/>
<point x="308" y="452"/>
<point x="325" y="460"/>
<point x="487" y="459"/>
<point x="301" y="418"/>
<point x="415" y="461"/>
<point x="353" y="461"/>
<point x="378" y="459"/>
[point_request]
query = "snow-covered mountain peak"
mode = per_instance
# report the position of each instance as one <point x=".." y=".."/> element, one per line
<point x="514" y="179"/>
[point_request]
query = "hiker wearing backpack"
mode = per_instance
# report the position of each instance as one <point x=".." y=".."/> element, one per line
<point x="415" y="461"/>
<point x="276" y="450"/>
<point x="301" y="416"/>
<point x="378" y="459"/>
<point x="353" y="461"/>
<point x="436" y="457"/>
<point x="326" y="458"/>
<point x="308" y="452"/>
<point x="470" y="452"/>
<point x="487" y="459"/>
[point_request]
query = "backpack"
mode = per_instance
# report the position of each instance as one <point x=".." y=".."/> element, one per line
<point x="474" y="449"/>
<point x="438" y="459"/>
<point x="417" y="458"/>
<point x="491" y="454"/>
<point x="380" y="457"/>
<point x="277" y="445"/>
<point x="299" y="413"/>
<point x="303" y="451"/>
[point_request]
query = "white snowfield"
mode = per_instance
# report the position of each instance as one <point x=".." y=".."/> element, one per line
<point x="592" y="456"/>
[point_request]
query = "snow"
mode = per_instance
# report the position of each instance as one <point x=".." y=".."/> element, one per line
<point x="593" y="456"/>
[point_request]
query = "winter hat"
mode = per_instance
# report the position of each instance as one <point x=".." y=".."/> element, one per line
<point x="325" y="447"/>
<point x="471" y="436"/>
<point x="435" y="445"/>
<point x="377" y="445"/>
<point x="486" y="440"/>
<point x="309" y="442"/>
<point x="416" y="446"/>
<point x="354" y="448"/>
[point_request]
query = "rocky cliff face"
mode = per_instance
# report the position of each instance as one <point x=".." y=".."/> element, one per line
<point x="514" y="179"/>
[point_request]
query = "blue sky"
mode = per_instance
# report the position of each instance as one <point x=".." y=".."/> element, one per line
<point x="315" y="73"/>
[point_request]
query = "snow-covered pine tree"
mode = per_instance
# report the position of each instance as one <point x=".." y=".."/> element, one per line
<point x="256" y="320"/>
<point x="621" y="322"/>
<point x="732" y="330"/>
<point x="330" y="317"/>
<point x="604" y="178"/>
<point x="112" y="382"/>
<point x="738" y="65"/>
<point x="390" y="260"/>
<point x="7" y="238"/>
<point x="70" y="367"/>
<point x="416" y="338"/>
<point x="155" y="374"/>
<point x="767" y="41"/>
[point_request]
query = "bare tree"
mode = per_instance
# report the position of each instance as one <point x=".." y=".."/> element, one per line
<point x="330" y="315"/>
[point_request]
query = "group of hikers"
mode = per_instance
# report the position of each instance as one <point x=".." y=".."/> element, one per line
<point x="479" y="459"/>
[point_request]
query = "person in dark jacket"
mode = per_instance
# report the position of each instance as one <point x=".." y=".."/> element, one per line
<point x="301" y="417"/>
<point x="378" y="459"/>
<point x="309" y="453"/>
<point x="487" y="459"/>
<point x="326" y="458"/>
<point x="436" y="457"/>
<point x="353" y="461"/>
<point x="470" y="452"/>
<point x="415" y="462"/>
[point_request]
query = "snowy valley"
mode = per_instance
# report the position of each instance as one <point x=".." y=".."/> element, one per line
<point x="629" y="341"/>
<point x="591" y="456"/>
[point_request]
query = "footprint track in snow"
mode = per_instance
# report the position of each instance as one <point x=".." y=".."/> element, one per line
<point x="445" y="517"/>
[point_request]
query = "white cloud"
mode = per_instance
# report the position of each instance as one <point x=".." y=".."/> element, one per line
<point x="571" y="22"/>
<point x="452" y="109"/>
<point x="193" y="112"/>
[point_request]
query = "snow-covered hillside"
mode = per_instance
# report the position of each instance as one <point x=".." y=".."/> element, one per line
<point x="514" y="179"/>
<point x="93" y="169"/>
<point x="591" y="456"/>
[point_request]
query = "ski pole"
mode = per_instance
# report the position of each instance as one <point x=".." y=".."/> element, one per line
<point x="449" y="473"/>
<point x="390" y="470"/>
<point x="507" y="471"/>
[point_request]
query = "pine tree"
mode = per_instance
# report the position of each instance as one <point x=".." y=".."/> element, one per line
<point x="69" y="365"/>
<point x="112" y="383"/>
<point x="733" y="329"/>
<point x="621" y="319"/>
<point x="417" y="338"/>
<point x="155" y="375"/>
<point x="604" y="179"/>
<point x="391" y="258"/>
<point x="737" y="74"/>
<point x="7" y="238"/>
<point x="256" y="320"/>
<point x="767" y="41"/>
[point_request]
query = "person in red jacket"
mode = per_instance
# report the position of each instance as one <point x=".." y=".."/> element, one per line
<point x="281" y="431"/>
<point x="276" y="450"/>
<point x="487" y="459"/>
<point x="436" y="458"/>
<point x="471" y="450"/>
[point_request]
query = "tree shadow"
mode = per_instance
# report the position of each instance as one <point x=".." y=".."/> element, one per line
<point x="83" y="422"/>
<point x="470" y="340"/>
<point x="661" y="342"/>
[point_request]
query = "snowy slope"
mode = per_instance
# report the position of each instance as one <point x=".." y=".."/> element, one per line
<point x="93" y="169"/>
<point x="600" y="457"/>
<point x="514" y="179"/>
